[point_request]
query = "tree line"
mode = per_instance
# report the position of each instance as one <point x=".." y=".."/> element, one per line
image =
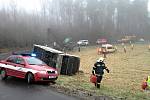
<point x="78" y="19"/>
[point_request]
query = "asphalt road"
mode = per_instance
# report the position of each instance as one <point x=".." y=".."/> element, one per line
<point x="18" y="89"/>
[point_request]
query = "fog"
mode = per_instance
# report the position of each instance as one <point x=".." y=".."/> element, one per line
<point x="76" y="19"/>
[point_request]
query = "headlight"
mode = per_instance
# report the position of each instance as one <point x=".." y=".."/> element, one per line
<point x="56" y="72"/>
<point x="42" y="72"/>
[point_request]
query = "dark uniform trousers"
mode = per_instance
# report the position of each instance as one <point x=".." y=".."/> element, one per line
<point x="99" y="79"/>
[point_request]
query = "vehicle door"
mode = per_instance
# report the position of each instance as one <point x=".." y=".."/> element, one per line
<point x="20" y="67"/>
<point x="11" y="67"/>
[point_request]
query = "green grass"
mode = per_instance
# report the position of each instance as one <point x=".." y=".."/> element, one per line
<point x="6" y="50"/>
<point x="73" y="82"/>
<point x="127" y="71"/>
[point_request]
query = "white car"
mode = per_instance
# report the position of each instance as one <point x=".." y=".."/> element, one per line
<point x="83" y="42"/>
<point x="109" y="48"/>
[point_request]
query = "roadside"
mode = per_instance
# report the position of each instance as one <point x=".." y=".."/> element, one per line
<point x="122" y="83"/>
<point x="4" y="52"/>
<point x="78" y="86"/>
<point x="58" y="87"/>
<point x="80" y="93"/>
<point x="7" y="50"/>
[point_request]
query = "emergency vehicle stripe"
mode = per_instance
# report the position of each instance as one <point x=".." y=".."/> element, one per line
<point x="17" y="68"/>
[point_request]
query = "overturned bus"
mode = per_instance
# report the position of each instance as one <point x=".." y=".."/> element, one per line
<point x="66" y="64"/>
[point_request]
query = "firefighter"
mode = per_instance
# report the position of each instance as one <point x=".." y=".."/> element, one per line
<point x="104" y="52"/>
<point x="98" y="70"/>
<point x="146" y="84"/>
<point x="116" y="48"/>
<point x="124" y="49"/>
<point x="99" y="51"/>
<point x="79" y="48"/>
<point x="149" y="47"/>
<point x="132" y="46"/>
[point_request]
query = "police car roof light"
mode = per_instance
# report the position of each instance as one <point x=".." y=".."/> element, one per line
<point x="33" y="54"/>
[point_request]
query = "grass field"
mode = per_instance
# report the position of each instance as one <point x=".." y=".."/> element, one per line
<point x="127" y="71"/>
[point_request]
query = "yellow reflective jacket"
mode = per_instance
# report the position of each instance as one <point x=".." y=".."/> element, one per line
<point x="148" y="81"/>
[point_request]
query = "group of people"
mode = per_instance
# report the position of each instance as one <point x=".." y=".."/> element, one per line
<point x="125" y="48"/>
<point x="99" y="66"/>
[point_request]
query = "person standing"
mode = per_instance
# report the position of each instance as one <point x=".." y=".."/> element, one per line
<point x="149" y="47"/>
<point x="98" y="71"/>
<point x="146" y="84"/>
<point x="99" y="50"/>
<point x="79" y="48"/>
<point x="132" y="46"/>
<point x="122" y="44"/>
<point x="124" y="49"/>
<point x="116" y="49"/>
<point x="104" y="52"/>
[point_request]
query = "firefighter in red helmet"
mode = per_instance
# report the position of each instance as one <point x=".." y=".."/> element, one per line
<point x="98" y="70"/>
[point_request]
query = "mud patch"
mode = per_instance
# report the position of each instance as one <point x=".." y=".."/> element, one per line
<point x="80" y="94"/>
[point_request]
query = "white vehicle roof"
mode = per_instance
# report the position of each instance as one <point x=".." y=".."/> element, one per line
<point x="107" y="45"/>
<point x="83" y="40"/>
<point x="54" y="50"/>
<point x="69" y="55"/>
<point x="49" y="49"/>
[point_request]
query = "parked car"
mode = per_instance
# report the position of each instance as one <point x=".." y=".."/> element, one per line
<point x="83" y="42"/>
<point x="27" y="67"/>
<point x="109" y="48"/>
